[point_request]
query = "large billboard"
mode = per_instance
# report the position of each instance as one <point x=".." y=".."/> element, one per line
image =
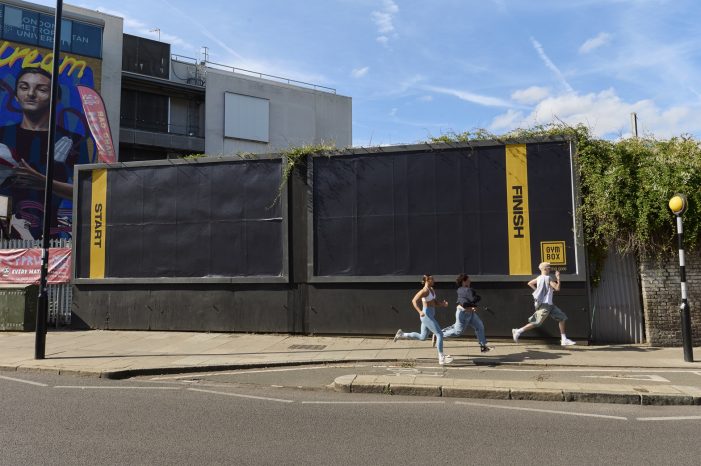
<point x="491" y="210"/>
<point x="26" y="64"/>
<point x="210" y="220"/>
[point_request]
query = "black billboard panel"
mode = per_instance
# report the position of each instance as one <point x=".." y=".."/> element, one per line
<point x="486" y="210"/>
<point x="198" y="220"/>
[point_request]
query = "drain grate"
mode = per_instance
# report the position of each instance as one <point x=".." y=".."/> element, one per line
<point x="308" y="347"/>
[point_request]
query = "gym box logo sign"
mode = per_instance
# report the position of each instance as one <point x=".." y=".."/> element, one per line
<point x="553" y="252"/>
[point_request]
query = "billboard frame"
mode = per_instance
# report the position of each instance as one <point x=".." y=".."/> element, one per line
<point x="578" y="237"/>
<point x="257" y="279"/>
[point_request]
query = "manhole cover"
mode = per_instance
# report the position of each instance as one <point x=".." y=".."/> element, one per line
<point x="308" y="347"/>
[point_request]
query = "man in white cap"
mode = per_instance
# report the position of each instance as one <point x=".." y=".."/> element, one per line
<point x="543" y="287"/>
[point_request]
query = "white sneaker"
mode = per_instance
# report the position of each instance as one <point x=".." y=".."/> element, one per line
<point x="515" y="334"/>
<point x="568" y="342"/>
<point x="445" y="359"/>
<point x="398" y="335"/>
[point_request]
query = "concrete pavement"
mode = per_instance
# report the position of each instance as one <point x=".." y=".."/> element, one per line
<point x="121" y="354"/>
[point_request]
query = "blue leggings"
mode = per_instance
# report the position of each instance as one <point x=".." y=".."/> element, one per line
<point x="465" y="319"/>
<point x="428" y="322"/>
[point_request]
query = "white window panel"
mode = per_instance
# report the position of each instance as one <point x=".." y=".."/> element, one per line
<point x="246" y="117"/>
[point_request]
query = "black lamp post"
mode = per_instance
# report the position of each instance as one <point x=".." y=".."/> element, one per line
<point x="678" y="206"/>
<point x="43" y="300"/>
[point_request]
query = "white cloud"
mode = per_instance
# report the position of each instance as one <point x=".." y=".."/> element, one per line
<point x="393" y="112"/>
<point x="509" y="120"/>
<point x="384" y="21"/>
<point x="602" y="38"/>
<point x="530" y="95"/>
<point x="426" y="98"/>
<point x="484" y="100"/>
<point x="695" y="92"/>
<point x="606" y="114"/>
<point x="360" y="72"/>
<point x="543" y="56"/>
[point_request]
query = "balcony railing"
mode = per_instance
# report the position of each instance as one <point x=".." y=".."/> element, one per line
<point x="161" y="127"/>
<point x="201" y="82"/>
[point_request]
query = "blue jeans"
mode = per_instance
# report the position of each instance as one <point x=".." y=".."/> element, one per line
<point x="428" y="322"/>
<point x="465" y="319"/>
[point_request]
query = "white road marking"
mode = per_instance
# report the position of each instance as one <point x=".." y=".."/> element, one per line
<point x="246" y="371"/>
<point x="24" y="381"/>
<point x="563" y="369"/>
<point x="645" y="377"/>
<point x="402" y="370"/>
<point x="671" y="418"/>
<point x="371" y="402"/>
<point x="98" y="387"/>
<point x="547" y="411"/>
<point x="241" y="396"/>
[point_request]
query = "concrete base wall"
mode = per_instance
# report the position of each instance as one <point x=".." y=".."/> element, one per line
<point x="361" y="309"/>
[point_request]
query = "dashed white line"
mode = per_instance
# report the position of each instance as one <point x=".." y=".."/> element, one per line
<point x="643" y="377"/>
<point x="279" y="400"/>
<point x="671" y="418"/>
<point x="372" y="402"/>
<point x="23" y="381"/>
<point x="547" y="411"/>
<point x="245" y="371"/>
<point x="99" y="387"/>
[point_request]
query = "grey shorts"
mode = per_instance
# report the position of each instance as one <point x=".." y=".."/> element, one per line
<point x="543" y="311"/>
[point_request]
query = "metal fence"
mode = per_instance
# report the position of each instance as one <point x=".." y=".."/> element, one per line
<point x="617" y="315"/>
<point x="61" y="295"/>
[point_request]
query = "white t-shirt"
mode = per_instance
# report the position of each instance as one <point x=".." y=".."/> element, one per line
<point x="543" y="292"/>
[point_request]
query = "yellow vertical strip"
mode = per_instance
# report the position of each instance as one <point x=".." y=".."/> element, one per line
<point x="97" y="223"/>
<point x="517" y="200"/>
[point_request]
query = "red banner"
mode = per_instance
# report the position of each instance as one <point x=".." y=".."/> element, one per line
<point x="24" y="265"/>
<point x="95" y="113"/>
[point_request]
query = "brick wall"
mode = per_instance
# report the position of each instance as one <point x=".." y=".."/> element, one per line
<point x="662" y="296"/>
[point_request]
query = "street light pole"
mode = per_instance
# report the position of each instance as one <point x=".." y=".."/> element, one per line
<point x="678" y="206"/>
<point x="43" y="299"/>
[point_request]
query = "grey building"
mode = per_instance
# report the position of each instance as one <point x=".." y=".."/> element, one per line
<point x="173" y="106"/>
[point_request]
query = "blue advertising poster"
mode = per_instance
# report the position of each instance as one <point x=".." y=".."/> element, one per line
<point x="25" y="88"/>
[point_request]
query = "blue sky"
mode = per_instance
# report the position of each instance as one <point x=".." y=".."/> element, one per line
<point x="417" y="68"/>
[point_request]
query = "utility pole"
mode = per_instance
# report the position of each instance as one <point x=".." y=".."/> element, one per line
<point x="43" y="299"/>
<point x="158" y="30"/>
<point x="634" y="124"/>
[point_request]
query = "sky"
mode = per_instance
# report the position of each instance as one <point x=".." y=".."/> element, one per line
<point x="417" y="69"/>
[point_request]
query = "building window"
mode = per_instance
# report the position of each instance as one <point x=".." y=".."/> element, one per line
<point x="145" y="111"/>
<point x="246" y="117"/>
<point x="146" y="56"/>
<point x="31" y="27"/>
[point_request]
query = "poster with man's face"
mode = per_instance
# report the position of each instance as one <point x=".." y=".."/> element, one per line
<point x="25" y="94"/>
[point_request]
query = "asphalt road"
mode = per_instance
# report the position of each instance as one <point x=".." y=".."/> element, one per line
<point x="320" y="376"/>
<point x="71" y="420"/>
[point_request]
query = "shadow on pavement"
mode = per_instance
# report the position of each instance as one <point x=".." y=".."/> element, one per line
<point x="496" y="359"/>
